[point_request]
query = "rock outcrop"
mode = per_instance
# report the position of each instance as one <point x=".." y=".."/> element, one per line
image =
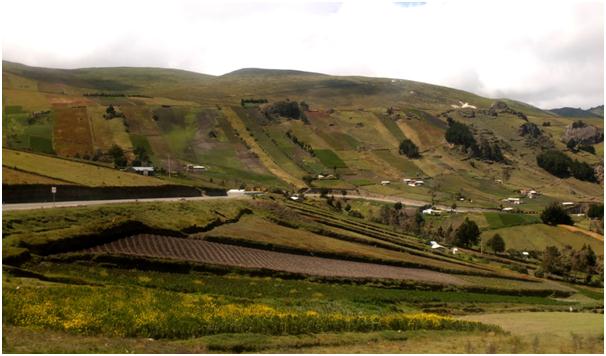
<point x="583" y="134"/>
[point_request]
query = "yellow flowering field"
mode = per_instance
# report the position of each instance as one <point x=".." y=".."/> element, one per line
<point x="127" y="311"/>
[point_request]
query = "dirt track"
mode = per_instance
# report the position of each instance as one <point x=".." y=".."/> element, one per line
<point x="244" y="257"/>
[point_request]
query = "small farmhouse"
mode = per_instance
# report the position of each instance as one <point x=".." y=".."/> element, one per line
<point x="146" y="171"/>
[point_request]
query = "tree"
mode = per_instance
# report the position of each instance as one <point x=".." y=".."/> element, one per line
<point x="555" y="162"/>
<point x="551" y="260"/>
<point x="554" y="214"/>
<point x="460" y="134"/>
<point x="117" y="153"/>
<point x="308" y="179"/>
<point x="467" y="234"/>
<point x="397" y="206"/>
<point x="408" y="148"/>
<point x="141" y="153"/>
<point x="582" y="171"/>
<point x="496" y="243"/>
<point x="584" y="260"/>
<point x="110" y="111"/>
<point x="596" y="211"/>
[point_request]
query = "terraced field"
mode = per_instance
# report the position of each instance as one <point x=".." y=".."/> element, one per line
<point x="220" y="254"/>
<point x="73" y="171"/>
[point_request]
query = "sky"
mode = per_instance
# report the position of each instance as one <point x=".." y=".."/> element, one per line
<point x="546" y="53"/>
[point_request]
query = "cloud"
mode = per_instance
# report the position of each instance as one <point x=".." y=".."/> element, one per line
<point x="546" y="53"/>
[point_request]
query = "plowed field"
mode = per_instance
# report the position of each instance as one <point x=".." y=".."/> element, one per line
<point x="244" y="257"/>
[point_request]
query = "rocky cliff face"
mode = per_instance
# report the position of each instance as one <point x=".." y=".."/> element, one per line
<point x="584" y="134"/>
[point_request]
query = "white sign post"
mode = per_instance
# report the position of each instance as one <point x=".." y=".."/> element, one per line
<point x="54" y="191"/>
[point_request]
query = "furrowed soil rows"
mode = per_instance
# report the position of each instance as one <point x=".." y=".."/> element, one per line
<point x="244" y="257"/>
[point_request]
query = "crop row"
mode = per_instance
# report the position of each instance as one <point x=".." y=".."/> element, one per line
<point x="243" y="257"/>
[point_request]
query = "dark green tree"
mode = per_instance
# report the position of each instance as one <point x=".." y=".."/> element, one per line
<point x="551" y="260"/>
<point x="555" y="162"/>
<point x="596" y="211"/>
<point x="467" y="234"/>
<point x="460" y="134"/>
<point x="582" y="171"/>
<point x="496" y="243"/>
<point x="584" y="260"/>
<point x="555" y="214"/>
<point x="408" y="148"/>
<point x="117" y="153"/>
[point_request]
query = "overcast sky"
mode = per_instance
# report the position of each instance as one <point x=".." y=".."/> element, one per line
<point x="547" y="53"/>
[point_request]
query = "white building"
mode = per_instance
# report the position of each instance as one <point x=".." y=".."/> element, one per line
<point x="146" y="171"/>
<point x="431" y="211"/>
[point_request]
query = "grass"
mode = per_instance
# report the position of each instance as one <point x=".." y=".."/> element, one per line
<point x="41" y="227"/>
<point x="73" y="171"/>
<point x="330" y="159"/>
<point x="538" y="236"/>
<point x="12" y="176"/>
<point x="558" y="324"/>
<point x="266" y="158"/>
<point x="501" y="220"/>
<point x="25" y="340"/>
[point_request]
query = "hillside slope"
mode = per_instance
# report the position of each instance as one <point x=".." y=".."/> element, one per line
<point x="347" y="132"/>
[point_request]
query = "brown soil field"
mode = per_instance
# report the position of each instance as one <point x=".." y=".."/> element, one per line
<point x="244" y="257"/>
<point x="72" y="132"/>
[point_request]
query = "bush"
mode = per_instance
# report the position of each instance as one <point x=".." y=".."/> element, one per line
<point x="554" y="214"/>
<point x="408" y="148"/>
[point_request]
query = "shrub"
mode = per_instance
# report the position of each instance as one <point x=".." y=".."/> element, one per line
<point x="555" y="214"/>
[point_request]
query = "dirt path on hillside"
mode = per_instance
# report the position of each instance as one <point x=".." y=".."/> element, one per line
<point x="195" y="250"/>
<point x="595" y="235"/>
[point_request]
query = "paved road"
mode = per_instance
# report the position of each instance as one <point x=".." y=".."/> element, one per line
<point x="65" y="204"/>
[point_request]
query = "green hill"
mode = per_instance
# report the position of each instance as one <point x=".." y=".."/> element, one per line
<point x="347" y="128"/>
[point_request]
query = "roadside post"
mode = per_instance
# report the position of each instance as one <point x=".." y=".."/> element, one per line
<point x="54" y="191"/>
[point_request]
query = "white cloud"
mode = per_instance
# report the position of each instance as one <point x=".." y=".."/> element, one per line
<point x="548" y="53"/>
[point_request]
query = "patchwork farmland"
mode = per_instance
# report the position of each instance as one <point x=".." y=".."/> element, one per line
<point x="321" y="244"/>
